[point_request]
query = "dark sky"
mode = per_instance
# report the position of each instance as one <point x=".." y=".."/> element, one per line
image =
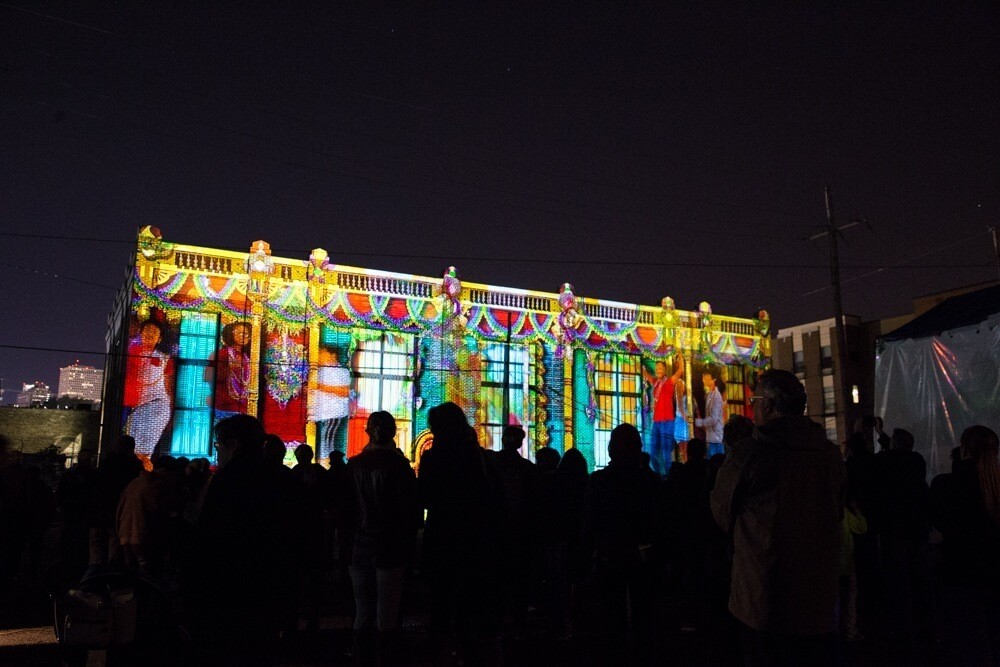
<point x="637" y="154"/>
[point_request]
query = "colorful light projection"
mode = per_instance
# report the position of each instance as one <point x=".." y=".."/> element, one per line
<point x="313" y="348"/>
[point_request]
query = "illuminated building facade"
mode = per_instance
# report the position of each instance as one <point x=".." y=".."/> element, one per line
<point x="35" y="394"/>
<point x="83" y="382"/>
<point x="312" y="348"/>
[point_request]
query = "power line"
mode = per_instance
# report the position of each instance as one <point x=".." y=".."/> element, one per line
<point x="57" y="19"/>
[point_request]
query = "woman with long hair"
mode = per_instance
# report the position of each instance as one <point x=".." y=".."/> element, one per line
<point x="965" y="508"/>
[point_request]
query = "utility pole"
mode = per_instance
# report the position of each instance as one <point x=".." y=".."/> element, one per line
<point x="838" y="311"/>
<point x="996" y="249"/>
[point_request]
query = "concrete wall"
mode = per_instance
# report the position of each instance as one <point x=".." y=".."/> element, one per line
<point x="31" y="430"/>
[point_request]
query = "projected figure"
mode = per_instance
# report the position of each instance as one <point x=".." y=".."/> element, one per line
<point x="232" y="371"/>
<point x="329" y="402"/>
<point x="662" y="440"/>
<point x="149" y="373"/>
<point x="712" y="422"/>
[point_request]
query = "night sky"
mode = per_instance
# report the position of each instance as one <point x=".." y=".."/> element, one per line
<point x="675" y="151"/>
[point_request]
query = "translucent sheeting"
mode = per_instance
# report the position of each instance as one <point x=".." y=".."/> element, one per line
<point x="937" y="387"/>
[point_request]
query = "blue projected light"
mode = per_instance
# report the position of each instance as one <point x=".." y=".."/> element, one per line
<point x="192" y="431"/>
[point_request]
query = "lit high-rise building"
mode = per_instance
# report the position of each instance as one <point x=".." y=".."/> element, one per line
<point x="83" y="382"/>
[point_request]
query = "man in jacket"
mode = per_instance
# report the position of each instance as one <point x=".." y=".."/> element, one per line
<point x="780" y="495"/>
<point x="381" y="516"/>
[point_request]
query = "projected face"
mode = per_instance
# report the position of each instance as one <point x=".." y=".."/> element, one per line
<point x="241" y="335"/>
<point x="660" y="371"/>
<point x="150" y="335"/>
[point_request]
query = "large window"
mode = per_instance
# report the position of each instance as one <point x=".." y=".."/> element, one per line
<point x="735" y="379"/>
<point x="383" y="371"/>
<point x="505" y="392"/>
<point x="618" y="393"/>
<point x="192" y="431"/>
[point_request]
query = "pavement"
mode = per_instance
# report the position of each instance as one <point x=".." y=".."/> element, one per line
<point x="332" y="644"/>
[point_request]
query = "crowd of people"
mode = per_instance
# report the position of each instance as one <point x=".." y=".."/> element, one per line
<point x="792" y="546"/>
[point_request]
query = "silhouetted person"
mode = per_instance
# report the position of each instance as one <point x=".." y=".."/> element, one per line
<point x="550" y="541"/>
<point x="15" y="503"/>
<point x="74" y="492"/>
<point x="145" y="511"/>
<point x="781" y="496"/>
<point x="517" y="477"/>
<point x="290" y="494"/>
<point x="113" y="475"/>
<point x="861" y="482"/>
<point x="316" y="488"/>
<point x="244" y="538"/>
<point x="382" y="515"/>
<point x="965" y="508"/>
<point x="900" y="516"/>
<point x="691" y="529"/>
<point x="574" y="480"/>
<point x="737" y="428"/>
<point x="620" y="521"/>
<point x="461" y="542"/>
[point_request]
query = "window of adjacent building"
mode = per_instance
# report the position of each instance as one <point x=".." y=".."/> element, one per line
<point x="829" y="400"/>
<point x="830" y="423"/>
<point x="192" y="431"/>
<point x="618" y="392"/>
<point x="855" y="394"/>
<point x="826" y="359"/>
<point x="798" y="362"/>
<point x="383" y="375"/>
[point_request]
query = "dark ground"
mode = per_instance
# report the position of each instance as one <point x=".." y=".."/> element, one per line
<point x="27" y="618"/>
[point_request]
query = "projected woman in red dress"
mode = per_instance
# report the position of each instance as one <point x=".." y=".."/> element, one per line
<point x="149" y="376"/>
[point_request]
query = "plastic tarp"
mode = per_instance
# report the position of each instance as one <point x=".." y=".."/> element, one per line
<point x="937" y="386"/>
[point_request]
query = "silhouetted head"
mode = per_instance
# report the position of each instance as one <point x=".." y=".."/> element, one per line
<point x="979" y="442"/>
<point x="86" y="458"/>
<point x="779" y="394"/>
<point x="625" y="444"/>
<point x="696" y="449"/>
<point x="573" y="464"/>
<point x="450" y="428"/>
<point x="274" y="450"/>
<point x="737" y="428"/>
<point x="381" y="429"/>
<point x="513" y="437"/>
<point x="547" y="459"/>
<point x="125" y="445"/>
<point x="901" y="440"/>
<point x="238" y="435"/>
<point x="304" y="454"/>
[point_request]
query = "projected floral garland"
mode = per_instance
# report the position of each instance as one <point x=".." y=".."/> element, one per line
<point x="293" y="307"/>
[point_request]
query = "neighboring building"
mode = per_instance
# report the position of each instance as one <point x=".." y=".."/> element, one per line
<point x="82" y="382"/>
<point x="810" y="351"/>
<point x="312" y="348"/>
<point x="33" y="395"/>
